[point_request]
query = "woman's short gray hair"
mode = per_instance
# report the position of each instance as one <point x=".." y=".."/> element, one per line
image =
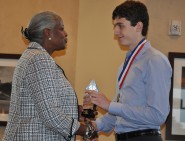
<point x="39" y="22"/>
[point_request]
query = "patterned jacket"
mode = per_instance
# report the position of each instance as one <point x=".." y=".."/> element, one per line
<point x="43" y="104"/>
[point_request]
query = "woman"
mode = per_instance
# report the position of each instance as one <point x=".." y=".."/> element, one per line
<point x="43" y="104"/>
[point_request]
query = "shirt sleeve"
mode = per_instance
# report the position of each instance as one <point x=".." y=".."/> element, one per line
<point x="106" y="123"/>
<point x="157" y="86"/>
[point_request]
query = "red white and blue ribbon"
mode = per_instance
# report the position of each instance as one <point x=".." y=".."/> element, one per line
<point x="129" y="61"/>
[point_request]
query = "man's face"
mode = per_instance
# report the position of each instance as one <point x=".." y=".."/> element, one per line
<point x="126" y="34"/>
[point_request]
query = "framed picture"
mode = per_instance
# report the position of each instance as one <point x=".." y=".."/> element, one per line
<point x="7" y="66"/>
<point x="175" y="125"/>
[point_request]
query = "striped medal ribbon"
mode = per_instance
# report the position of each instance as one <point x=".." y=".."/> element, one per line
<point x="129" y="61"/>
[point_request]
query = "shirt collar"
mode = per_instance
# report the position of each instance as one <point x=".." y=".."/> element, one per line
<point x="35" y="45"/>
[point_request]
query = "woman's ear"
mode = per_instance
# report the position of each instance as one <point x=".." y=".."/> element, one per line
<point x="139" y="27"/>
<point x="47" y="33"/>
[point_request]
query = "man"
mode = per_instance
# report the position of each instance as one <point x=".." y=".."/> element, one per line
<point x="141" y="103"/>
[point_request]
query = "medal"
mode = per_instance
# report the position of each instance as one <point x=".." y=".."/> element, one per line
<point x="118" y="97"/>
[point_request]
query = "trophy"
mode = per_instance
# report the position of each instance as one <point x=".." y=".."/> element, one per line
<point x="88" y="110"/>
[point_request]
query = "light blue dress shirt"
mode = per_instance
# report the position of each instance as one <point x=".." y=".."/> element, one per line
<point x="144" y="95"/>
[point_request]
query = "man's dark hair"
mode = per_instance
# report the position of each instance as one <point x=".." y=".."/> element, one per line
<point x="133" y="11"/>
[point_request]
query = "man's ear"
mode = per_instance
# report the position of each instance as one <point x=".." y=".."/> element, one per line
<point x="139" y="27"/>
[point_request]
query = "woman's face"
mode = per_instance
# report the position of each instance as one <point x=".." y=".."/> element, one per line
<point x="59" y="37"/>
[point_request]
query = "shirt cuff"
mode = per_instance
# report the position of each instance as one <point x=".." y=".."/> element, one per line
<point x="115" y="108"/>
<point x="99" y="124"/>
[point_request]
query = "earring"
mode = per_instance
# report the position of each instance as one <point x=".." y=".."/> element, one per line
<point x="49" y="38"/>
